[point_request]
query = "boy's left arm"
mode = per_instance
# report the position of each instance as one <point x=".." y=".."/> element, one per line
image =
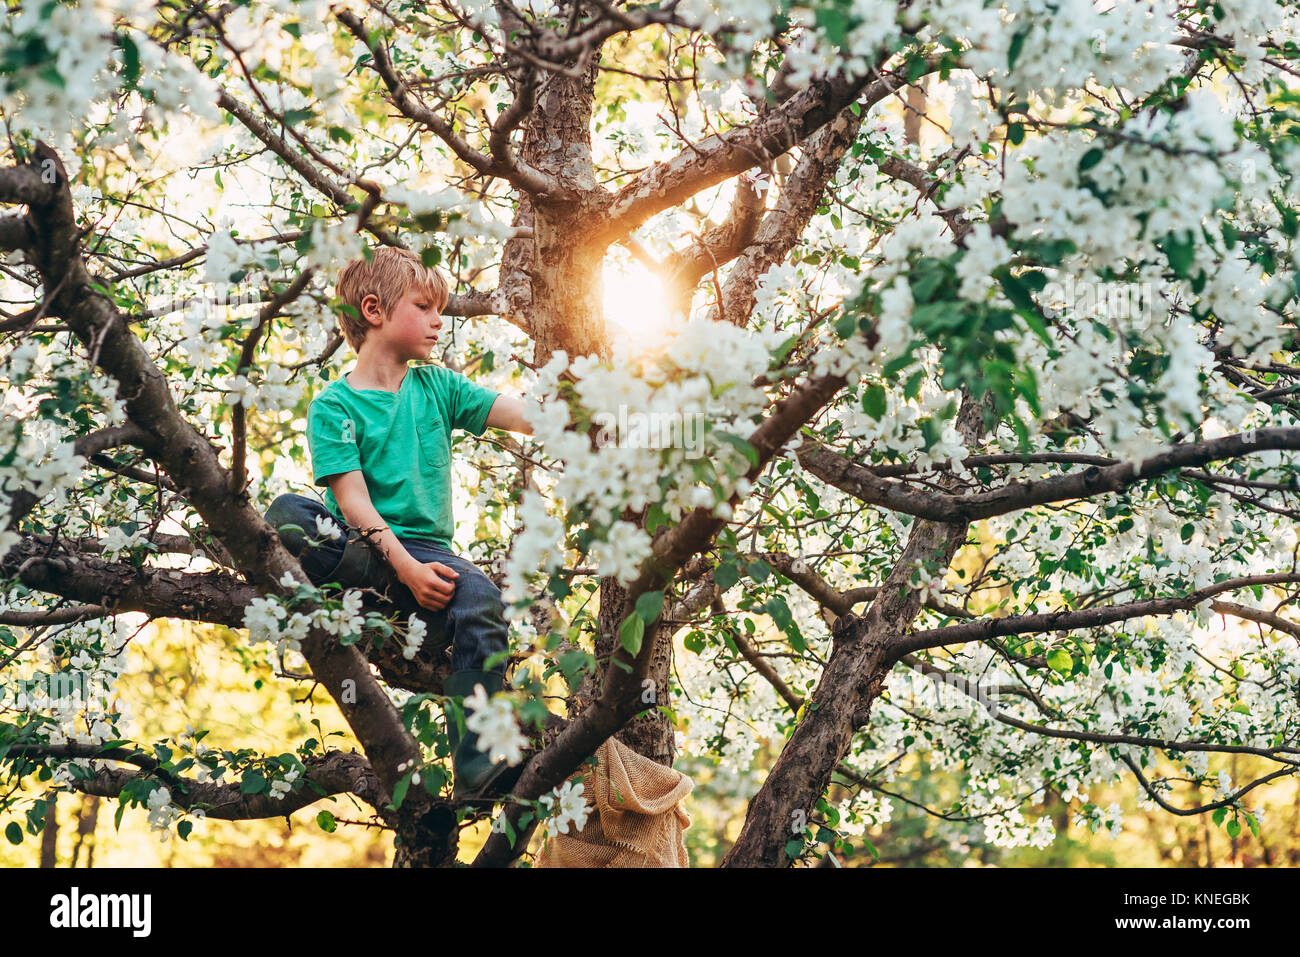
<point x="507" y="413"/>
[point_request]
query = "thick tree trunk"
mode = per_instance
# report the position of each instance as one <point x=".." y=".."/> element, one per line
<point x="650" y="735"/>
<point x="851" y="682"/>
<point x="567" y="290"/>
<point x="428" y="841"/>
<point x="567" y="312"/>
<point x="853" y="679"/>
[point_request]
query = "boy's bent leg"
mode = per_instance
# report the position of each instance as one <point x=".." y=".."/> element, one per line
<point x="334" y="559"/>
<point x="476" y="617"/>
<point x="476" y="622"/>
<point x="476" y="625"/>
<point x="295" y="510"/>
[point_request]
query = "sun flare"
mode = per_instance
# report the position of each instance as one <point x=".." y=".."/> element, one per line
<point x="636" y="305"/>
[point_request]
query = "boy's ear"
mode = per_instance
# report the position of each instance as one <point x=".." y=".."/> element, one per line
<point x="370" y="310"/>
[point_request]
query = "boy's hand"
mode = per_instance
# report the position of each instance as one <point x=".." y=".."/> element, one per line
<point x="432" y="583"/>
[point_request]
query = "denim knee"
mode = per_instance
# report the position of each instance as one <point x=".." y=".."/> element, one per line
<point x="317" y="558"/>
<point x="472" y="622"/>
<point x="475" y="616"/>
<point x="477" y="621"/>
<point x="291" y="509"/>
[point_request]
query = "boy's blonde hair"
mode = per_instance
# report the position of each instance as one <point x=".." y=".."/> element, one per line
<point x="388" y="275"/>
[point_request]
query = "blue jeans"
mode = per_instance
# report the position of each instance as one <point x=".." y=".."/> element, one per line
<point x="472" y="623"/>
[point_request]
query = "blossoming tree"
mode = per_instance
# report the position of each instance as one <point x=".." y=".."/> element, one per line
<point x="985" y="312"/>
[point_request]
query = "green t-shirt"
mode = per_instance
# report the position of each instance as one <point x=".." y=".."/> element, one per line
<point x="401" y="442"/>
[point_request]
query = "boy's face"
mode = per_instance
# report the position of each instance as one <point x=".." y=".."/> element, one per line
<point x="413" y="328"/>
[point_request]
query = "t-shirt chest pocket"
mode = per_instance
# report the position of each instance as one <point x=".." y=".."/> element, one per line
<point x="434" y="441"/>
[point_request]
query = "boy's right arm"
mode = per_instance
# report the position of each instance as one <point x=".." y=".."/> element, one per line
<point x="432" y="583"/>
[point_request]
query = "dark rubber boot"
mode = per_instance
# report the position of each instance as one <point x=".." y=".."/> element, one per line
<point x="474" y="770"/>
<point x="360" y="567"/>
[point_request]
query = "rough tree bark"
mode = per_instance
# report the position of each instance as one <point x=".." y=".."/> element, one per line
<point x="853" y="678"/>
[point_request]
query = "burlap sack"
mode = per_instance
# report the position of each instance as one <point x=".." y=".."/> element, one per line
<point x="637" y="820"/>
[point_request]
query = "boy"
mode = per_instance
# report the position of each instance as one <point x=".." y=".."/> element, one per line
<point x="380" y="440"/>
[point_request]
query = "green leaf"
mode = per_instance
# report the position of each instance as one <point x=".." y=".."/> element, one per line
<point x="873" y="401"/>
<point x="726" y="575"/>
<point x="253" y="782"/>
<point x="571" y="663"/>
<point x="130" y="61"/>
<point x="793" y="847"/>
<point x="912" y="387"/>
<point x="434" y="780"/>
<point x="784" y="349"/>
<point x="1218" y="816"/>
<point x="649" y="605"/>
<point x="1060" y="661"/>
<point x="400" y="789"/>
<point x="325" y="820"/>
<point x="656" y="517"/>
<point x="1182" y="254"/>
<point x="742" y="445"/>
<point x="631" y="633"/>
<point x="184" y="828"/>
<point x="1016" y="48"/>
<point x="1233" y="828"/>
<point x="1017" y="289"/>
<point x="14" y="833"/>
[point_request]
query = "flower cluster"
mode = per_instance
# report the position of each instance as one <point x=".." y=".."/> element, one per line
<point x="683" y="407"/>
<point x="563" y="808"/>
<point x="416" y="630"/>
<point x="162" y="813"/>
<point x="268" y="619"/>
<point x="282" y="786"/>
<point x="493" y="720"/>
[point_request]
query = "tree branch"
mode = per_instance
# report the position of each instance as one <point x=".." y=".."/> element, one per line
<point x="718" y="157"/>
<point x="1069" y="620"/>
<point x="782" y="227"/>
<point x="88" y="447"/>
<point x="863" y="484"/>
<point x="336" y="772"/>
<point x="194" y="465"/>
<point x="518" y="174"/>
